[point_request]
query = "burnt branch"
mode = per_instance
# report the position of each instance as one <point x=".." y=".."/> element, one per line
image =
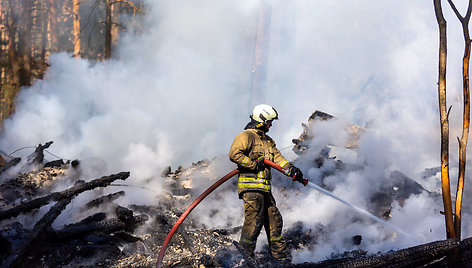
<point x="411" y="257"/>
<point x="104" y="226"/>
<point x="10" y="164"/>
<point x="38" y="156"/>
<point x="73" y="191"/>
<point x="108" y="198"/>
<point x="44" y="223"/>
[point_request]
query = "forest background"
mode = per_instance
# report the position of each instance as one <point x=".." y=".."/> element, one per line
<point x="31" y="30"/>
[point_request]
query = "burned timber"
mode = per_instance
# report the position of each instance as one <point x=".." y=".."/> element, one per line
<point x="117" y="236"/>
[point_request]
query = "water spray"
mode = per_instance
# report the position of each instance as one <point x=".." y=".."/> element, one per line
<point x="366" y="213"/>
<point x="228" y="176"/>
<point x="306" y="182"/>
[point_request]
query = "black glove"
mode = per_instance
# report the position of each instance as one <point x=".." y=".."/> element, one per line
<point x="260" y="164"/>
<point x="296" y="174"/>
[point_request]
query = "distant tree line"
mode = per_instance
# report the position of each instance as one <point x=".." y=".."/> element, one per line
<point x="30" y="30"/>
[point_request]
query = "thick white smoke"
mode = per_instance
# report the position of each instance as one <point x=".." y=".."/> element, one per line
<point x="180" y="91"/>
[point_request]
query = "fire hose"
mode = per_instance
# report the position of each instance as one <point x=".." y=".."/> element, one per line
<point x="201" y="197"/>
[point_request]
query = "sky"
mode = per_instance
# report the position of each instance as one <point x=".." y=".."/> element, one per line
<point x="181" y="90"/>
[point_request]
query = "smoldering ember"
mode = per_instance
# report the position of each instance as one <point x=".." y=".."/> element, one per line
<point x="112" y="235"/>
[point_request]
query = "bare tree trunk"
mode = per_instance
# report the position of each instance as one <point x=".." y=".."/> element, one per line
<point x="115" y="25"/>
<point x="76" y="27"/>
<point x="19" y="43"/>
<point x="112" y="27"/>
<point x="466" y="116"/>
<point x="463" y="143"/>
<point x="4" y="40"/>
<point x="108" y="27"/>
<point x="45" y="48"/>
<point x="261" y="52"/>
<point x="35" y="32"/>
<point x="446" y="191"/>
<point x="53" y="30"/>
<point x="13" y="58"/>
<point x="13" y="73"/>
<point x="25" y="42"/>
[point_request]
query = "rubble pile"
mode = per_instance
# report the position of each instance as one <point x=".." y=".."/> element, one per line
<point x="117" y="236"/>
<point x="124" y="237"/>
<point x="26" y="196"/>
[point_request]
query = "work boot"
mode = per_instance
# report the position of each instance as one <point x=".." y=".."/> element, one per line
<point x="248" y="256"/>
<point x="284" y="261"/>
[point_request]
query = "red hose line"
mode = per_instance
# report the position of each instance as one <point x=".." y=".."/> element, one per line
<point x="284" y="171"/>
<point x="188" y="210"/>
<point x="274" y="165"/>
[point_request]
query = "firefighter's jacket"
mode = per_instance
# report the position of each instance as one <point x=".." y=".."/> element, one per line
<point x="247" y="147"/>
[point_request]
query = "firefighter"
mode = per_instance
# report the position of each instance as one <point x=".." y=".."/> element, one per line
<point x="248" y="151"/>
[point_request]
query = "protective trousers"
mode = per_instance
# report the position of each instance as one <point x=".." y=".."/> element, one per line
<point x="260" y="210"/>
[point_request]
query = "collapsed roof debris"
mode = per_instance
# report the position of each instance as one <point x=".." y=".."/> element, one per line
<point x="398" y="186"/>
<point x="37" y="157"/>
<point x="27" y="192"/>
<point x="303" y="141"/>
<point x="116" y="236"/>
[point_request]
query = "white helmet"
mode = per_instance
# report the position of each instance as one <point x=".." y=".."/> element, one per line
<point x="263" y="113"/>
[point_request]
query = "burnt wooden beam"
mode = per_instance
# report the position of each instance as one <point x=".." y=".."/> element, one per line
<point x="10" y="164"/>
<point x="101" y="182"/>
<point x="73" y="191"/>
<point x="125" y="221"/>
<point x="107" y="198"/>
<point x="465" y="254"/>
<point x="37" y="156"/>
<point x="104" y="226"/>
<point x="44" y="223"/>
<point x="100" y="216"/>
<point x="187" y="241"/>
<point x="417" y="256"/>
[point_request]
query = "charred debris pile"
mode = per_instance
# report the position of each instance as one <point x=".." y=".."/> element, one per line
<point x="115" y="236"/>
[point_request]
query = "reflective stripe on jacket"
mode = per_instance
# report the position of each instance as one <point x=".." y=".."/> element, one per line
<point x="247" y="147"/>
